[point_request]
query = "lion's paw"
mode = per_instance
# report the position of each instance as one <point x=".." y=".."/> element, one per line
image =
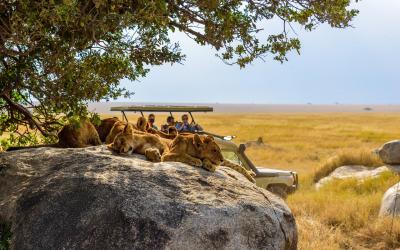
<point x="209" y="166"/>
<point x="196" y="163"/>
<point x="153" y="155"/>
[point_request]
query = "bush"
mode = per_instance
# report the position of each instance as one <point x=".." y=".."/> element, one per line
<point x="362" y="157"/>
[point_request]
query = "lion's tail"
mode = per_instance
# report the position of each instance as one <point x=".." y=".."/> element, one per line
<point x="54" y="145"/>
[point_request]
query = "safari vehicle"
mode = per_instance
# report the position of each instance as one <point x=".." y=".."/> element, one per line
<point x="280" y="182"/>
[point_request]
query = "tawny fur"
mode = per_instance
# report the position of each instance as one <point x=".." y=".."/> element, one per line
<point x="129" y="141"/>
<point x="203" y="151"/>
<point x="78" y="136"/>
<point x="192" y="149"/>
<point x="119" y="126"/>
<point x="105" y="127"/>
<point x="160" y="133"/>
<point x="73" y="136"/>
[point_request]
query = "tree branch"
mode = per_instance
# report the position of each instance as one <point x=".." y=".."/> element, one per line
<point x="28" y="116"/>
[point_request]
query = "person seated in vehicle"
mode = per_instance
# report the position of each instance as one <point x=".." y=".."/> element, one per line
<point x="185" y="126"/>
<point x="170" y="123"/>
<point x="150" y="122"/>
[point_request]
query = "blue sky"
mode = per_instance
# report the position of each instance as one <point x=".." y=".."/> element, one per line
<point x="357" y="65"/>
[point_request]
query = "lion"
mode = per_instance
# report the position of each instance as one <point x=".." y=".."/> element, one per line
<point x="72" y="136"/>
<point x="129" y="141"/>
<point x="105" y="127"/>
<point x="201" y="151"/>
<point x="119" y="126"/>
<point x="161" y="134"/>
<point x="83" y="135"/>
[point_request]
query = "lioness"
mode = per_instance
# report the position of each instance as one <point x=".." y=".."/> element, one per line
<point x="161" y="134"/>
<point x="201" y="151"/>
<point x="105" y="127"/>
<point x="129" y="141"/>
<point x="80" y="136"/>
<point x="119" y="126"/>
<point x="72" y="136"/>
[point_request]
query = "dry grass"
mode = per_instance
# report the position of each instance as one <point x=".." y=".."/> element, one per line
<point x="345" y="158"/>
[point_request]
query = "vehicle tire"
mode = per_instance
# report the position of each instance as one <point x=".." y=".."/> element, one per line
<point x="278" y="189"/>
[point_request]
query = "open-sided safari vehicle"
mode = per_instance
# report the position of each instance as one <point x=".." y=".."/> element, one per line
<point x="277" y="181"/>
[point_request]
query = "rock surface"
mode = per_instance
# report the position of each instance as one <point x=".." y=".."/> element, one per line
<point x="354" y="171"/>
<point x="91" y="199"/>
<point x="390" y="152"/>
<point x="391" y="202"/>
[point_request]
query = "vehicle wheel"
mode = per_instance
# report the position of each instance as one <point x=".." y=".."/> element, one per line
<point x="280" y="190"/>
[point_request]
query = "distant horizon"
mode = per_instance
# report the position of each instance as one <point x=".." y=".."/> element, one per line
<point x="104" y="107"/>
<point x="249" y="103"/>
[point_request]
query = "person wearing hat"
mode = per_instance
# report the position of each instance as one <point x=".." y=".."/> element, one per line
<point x="185" y="126"/>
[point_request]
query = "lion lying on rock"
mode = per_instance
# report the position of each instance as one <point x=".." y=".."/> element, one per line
<point x="72" y="136"/>
<point x="192" y="149"/>
<point x="141" y="125"/>
<point x="135" y="141"/>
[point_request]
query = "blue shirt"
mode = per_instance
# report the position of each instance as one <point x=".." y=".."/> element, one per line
<point x="184" y="127"/>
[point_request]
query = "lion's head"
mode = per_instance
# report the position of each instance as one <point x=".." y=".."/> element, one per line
<point x="208" y="148"/>
<point x="123" y="142"/>
<point x="141" y="123"/>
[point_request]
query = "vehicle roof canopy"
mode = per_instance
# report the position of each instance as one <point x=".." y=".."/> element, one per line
<point x="162" y="108"/>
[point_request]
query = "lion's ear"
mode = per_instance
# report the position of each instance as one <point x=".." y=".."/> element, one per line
<point x="128" y="129"/>
<point x="197" y="141"/>
<point x="208" y="139"/>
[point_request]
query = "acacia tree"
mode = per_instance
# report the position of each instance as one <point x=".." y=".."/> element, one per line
<point x="58" y="55"/>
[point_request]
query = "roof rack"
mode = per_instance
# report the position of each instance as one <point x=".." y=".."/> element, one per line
<point x="163" y="108"/>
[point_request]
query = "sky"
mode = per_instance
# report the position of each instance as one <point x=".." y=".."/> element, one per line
<point x="357" y="65"/>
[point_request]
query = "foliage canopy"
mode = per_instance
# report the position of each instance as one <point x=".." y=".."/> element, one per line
<point x="58" y="55"/>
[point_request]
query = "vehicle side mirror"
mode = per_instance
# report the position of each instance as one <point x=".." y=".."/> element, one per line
<point x="242" y="148"/>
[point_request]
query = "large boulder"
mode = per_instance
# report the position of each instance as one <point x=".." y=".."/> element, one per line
<point x="91" y="199"/>
<point x="390" y="152"/>
<point x="391" y="202"/>
<point x="353" y="171"/>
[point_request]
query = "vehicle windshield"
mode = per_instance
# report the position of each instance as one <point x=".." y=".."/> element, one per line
<point x="232" y="156"/>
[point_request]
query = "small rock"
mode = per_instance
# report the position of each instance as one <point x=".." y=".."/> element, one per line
<point x="353" y="171"/>
<point x="390" y="152"/>
<point x="258" y="142"/>
<point x="391" y="202"/>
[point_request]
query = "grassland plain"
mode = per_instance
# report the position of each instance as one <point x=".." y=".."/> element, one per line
<point x="342" y="215"/>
